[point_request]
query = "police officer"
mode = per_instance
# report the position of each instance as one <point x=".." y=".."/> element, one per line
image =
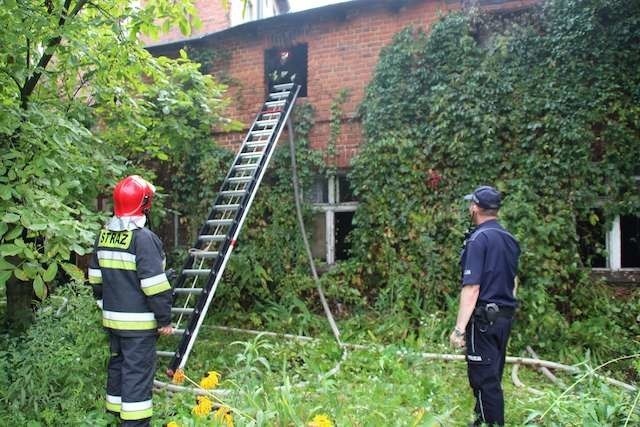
<point x="489" y="262"/>
<point x="126" y="272"/>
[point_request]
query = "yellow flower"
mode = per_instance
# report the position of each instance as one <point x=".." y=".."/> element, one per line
<point x="203" y="407"/>
<point x="178" y="377"/>
<point x="418" y="415"/>
<point x="320" y="420"/>
<point x="173" y="424"/>
<point x="223" y="414"/>
<point x="210" y="381"/>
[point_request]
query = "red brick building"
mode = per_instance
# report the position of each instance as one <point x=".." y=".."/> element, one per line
<point x="216" y="16"/>
<point x="332" y="48"/>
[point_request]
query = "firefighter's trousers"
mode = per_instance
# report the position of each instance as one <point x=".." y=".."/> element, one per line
<point x="130" y="376"/>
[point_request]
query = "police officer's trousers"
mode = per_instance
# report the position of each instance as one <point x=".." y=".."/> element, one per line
<point x="486" y="351"/>
<point x="130" y="376"/>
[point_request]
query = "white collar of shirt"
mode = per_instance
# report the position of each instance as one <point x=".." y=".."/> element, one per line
<point x="122" y="223"/>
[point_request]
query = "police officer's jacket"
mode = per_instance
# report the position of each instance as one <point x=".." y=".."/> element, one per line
<point x="489" y="258"/>
<point x="127" y="272"/>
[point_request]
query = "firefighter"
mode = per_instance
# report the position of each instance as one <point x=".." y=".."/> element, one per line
<point x="127" y="275"/>
<point x="488" y="262"/>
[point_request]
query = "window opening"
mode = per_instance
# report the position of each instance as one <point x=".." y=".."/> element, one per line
<point x="286" y="65"/>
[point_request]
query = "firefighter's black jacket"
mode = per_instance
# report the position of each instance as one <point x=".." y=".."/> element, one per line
<point x="126" y="271"/>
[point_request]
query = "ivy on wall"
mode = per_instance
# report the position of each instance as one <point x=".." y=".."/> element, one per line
<point x="544" y="105"/>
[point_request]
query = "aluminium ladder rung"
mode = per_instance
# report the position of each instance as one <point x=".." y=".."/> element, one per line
<point x="251" y="155"/>
<point x="268" y="122"/>
<point x="265" y="132"/>
<point x="165" y="353"/>
<point x="278" y="95"/>
<point x="283" y="86"/>
<point x="239" y="179"/>
<point x="212" y="237"/>
<point x="231" y="207"/>
<point x="197" y="253"/>
<point x="233" y="193"/>
<point x="255" y="144"/>
<point x="178" y="331"/>
<point x="246" y="167"/>
<point x="180" y="310"/>
<point x="270" y="114"/>
<point x="279" y="103"/>
<point x="220" y="222"/>
<point x="196" y="271"/>
<point x="187" y="290"/>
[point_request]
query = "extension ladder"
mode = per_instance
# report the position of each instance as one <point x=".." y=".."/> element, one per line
<point x="203" y="269"/>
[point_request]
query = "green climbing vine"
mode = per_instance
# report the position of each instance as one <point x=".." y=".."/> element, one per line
<point x="335" y="127"/>
<point x="544" y="105"/>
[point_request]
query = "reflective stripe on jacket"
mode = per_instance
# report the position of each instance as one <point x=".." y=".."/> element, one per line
<point x="127" y="271"/>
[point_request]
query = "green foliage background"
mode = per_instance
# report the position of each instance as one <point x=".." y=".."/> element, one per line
<point x="82" y="104"/>
<point x="543" y="104"/>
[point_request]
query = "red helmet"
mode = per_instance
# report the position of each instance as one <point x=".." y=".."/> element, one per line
<point x="132" y="196"/>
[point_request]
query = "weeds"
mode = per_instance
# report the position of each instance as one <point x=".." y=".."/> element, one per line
<point x="55" y="376"/>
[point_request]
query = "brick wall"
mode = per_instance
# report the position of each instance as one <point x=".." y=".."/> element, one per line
<point x="213" y="16"/>
<point x="344" y="42"/>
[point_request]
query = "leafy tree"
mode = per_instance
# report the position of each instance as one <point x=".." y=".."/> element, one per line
<point x="81" y="102"/>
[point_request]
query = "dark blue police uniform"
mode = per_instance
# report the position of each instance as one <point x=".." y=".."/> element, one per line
<point x="490" y="259"/>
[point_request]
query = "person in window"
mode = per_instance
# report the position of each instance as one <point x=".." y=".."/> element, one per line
<point x="282" y="69"/>
<point x="127" y="274"/>
<point x="489" y="262"/>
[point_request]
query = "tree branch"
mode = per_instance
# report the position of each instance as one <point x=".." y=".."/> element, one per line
<point x="14" y="78"/>
<point x="31" y="82"/>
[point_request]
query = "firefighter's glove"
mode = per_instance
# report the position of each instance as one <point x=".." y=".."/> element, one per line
<point x="456" y="339"/>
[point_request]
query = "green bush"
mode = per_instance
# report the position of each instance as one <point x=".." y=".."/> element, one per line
<point x="55" y="374"/>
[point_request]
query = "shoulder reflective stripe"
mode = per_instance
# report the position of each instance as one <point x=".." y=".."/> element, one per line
<point x="117" y="260"/>
<point x="117" y="265"/>
<point x="155" y="285"/>
<point x="95" y="276"/>
<point x="116" y="255"/>
<point x="132" y="317"/>
<point x="136" y="410"/>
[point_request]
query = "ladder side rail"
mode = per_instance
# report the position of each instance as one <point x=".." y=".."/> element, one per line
<point x="190" y="258"/>
<point x="203" y="304"/>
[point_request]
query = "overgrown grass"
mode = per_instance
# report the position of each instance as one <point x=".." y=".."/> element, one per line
<point x="55" y="376"/>
<point x="285" y="383"/>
